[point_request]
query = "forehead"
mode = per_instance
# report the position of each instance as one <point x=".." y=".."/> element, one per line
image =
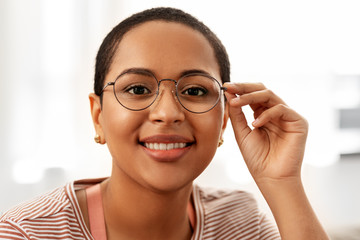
<point x="166" y="48"/>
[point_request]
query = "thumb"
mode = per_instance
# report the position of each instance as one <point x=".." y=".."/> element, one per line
<point x="237" y="118"/>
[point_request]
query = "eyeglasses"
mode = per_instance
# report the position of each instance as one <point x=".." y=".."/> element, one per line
<point x="137" y="89"/>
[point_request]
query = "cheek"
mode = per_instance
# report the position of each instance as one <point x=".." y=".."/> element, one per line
<point x="208" y="129"/>
<point x="211" y="123"/>
<point x="120" y="127"/>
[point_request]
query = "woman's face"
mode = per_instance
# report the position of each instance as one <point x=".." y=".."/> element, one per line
<point x="167" y="50"/>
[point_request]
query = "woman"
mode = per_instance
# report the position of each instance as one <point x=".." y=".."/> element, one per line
<point x="159" y="105"/>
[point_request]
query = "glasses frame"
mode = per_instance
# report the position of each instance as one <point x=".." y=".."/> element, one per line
<point x="158" y="89"/>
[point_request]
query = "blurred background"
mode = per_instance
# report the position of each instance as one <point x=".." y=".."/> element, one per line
<point x="308" y="52"/>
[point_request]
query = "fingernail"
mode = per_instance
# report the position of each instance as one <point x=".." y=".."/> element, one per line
<point x="255" y="122"/>
<point x="227" y="84"/>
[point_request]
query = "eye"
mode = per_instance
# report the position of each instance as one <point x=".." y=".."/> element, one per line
<point x="195" y="91"/>
<point x="138" y="90"/>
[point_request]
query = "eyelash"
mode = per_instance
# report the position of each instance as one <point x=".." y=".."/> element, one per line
<point x="203" y="90"/>
<point x="131" y="88"/>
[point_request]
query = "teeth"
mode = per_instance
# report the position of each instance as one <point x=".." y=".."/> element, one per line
<point x="164" y="146"/>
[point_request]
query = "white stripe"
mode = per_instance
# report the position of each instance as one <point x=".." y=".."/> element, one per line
<point x="55" y="237"/>
<point x="9" y="236"/>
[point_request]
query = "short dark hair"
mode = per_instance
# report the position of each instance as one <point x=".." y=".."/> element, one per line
<point x="109" y="46"/>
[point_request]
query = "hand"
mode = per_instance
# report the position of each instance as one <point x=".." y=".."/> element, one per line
<point x="274" y="149"/>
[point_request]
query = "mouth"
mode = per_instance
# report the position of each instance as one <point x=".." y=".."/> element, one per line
<point x="165" y="146"/>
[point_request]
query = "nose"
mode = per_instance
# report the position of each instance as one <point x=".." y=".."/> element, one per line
<point x="166" y="108"/>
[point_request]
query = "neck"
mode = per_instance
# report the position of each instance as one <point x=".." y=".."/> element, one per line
<point x="133" y="211"/>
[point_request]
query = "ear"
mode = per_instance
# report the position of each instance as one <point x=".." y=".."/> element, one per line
<point x="96" y="114"/>
<point x="225" y="119"/>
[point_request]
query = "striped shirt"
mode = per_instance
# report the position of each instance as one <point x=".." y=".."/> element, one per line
<point x="57" y="215"/>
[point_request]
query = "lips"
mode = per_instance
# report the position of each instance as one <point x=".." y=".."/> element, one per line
<point x="166" y="148"/>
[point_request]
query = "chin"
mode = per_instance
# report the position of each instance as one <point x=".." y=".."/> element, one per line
<point x="171" y="184"/>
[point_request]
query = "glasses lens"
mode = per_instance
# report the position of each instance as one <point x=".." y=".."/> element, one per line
<point x="198" y="93"/>
<point x="136" y="90"/>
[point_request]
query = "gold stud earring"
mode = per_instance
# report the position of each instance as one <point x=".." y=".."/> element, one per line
<point x="221" y="141"/>
<point x="97" y="138"/>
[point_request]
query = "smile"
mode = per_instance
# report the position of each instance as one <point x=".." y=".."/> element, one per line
<point x="166" y="152"/>
<point x="164" y="146"/>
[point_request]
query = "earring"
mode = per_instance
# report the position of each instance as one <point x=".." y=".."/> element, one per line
<point x="221" y="141"/>
<point x="97" y="138"/>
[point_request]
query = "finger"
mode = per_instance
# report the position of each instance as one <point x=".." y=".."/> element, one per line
<point x="229" y="96"/>
<point x="242" y="88"/>
<point x="264" y="98"/>
<point x="278" y="113"/>
<point x="258" y="110"/>
<point x="238" y="120"/>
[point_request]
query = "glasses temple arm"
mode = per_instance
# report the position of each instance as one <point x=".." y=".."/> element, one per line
<point x="108" y="84"/>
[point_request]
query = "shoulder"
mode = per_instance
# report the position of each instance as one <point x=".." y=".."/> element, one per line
<point x="40" y="206"/>
<point x="213" y="199"/>
<point x="231" y="214"/>
<point x="43" y="216"/>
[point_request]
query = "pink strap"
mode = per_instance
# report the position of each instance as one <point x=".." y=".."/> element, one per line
<point x="96" y="213"/>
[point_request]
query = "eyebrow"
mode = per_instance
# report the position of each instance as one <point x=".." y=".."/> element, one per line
<point x="194" y="71"/>
<point x="146" y="71"/>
